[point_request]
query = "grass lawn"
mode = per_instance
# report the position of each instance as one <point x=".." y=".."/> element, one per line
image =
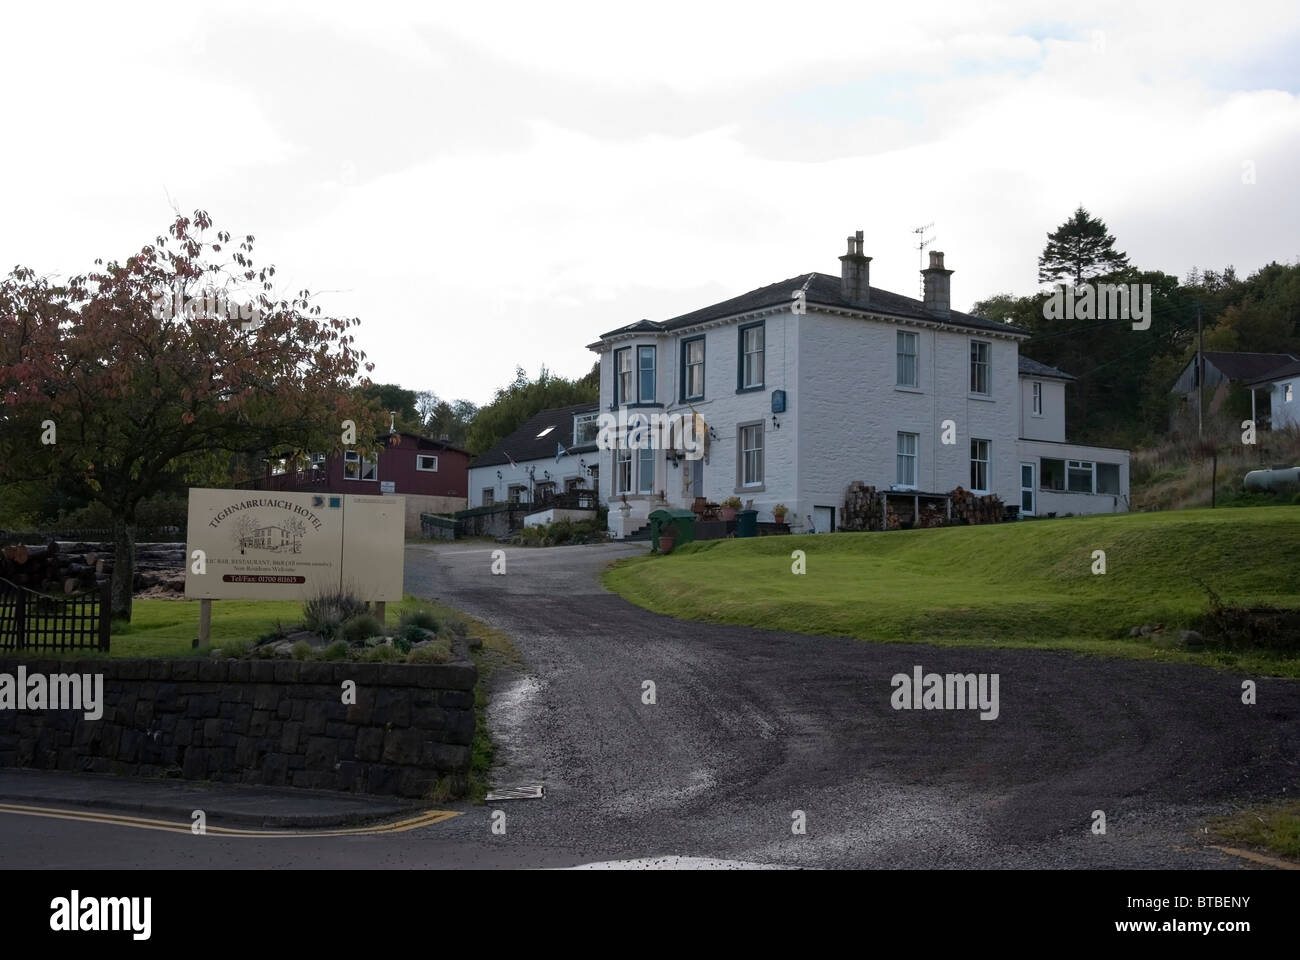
<point x="1275" y="828"/>
<point x="1019" y="584"/>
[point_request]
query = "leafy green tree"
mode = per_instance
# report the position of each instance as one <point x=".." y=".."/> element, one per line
<point x="1079" y="250"/>
<point x="514" y="404"/>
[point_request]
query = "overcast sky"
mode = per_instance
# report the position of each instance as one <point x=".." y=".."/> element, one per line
<point x="489" y="185"/>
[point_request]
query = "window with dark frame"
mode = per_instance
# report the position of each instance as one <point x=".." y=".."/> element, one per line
<point x="979" y="465"/>
<point x="750" y="374"/>
<point x="979" y="367"/>
<point x="645" y="361"/>
<point x="751" y="455"/>
<point x="907" y="354"/>
<point x="906" y="462"/>
<point x="693" y="369"/>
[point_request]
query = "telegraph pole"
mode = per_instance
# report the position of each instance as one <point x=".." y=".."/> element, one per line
<point x="1200" y="375"/>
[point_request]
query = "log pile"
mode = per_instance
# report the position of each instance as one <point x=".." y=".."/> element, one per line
<point x="861" y="508"/>
<point x="969" y="508"/>
<point x="66" y="567"/>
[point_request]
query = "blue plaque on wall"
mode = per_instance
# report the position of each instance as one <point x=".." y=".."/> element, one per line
<point x="778" y="401"/>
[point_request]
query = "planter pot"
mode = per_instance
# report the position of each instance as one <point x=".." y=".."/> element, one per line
<point x="780" y="517"/>
<point x="728" y="514"/>
<point x="666" y="543"/>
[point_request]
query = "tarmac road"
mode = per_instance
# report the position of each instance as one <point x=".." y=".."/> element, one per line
<point x="750" y="727"/>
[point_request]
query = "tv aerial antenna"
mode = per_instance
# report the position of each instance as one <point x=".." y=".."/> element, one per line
<point x="921" y="243"/>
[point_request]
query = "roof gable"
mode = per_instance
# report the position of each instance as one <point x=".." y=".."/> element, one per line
<point x="537" y="437"/>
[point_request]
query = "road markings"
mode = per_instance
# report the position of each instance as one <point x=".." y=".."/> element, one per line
<point x="170" y="826"/>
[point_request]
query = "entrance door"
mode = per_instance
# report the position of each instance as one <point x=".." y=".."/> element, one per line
<point x="823" y="519"/>
<point x="1028" y="488"/>
<point x="697" y="477"/>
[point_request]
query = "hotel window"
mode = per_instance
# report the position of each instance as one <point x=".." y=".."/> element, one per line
<point x="624" y="380"/>
<point x="517" y="493"/>
<point x="1078" y="476"/>
<point x="1051" y="474"/>
<point x="623" y="471"/>
<point x="1108" y="478"/>
<point x="693" y="369"/>
<point x="645" y="471"/>
<point x="489" y="496"/>
<point x="906" y="460"/>
<point x="979" y="367"/>
<point x="426" y="462"/>
<point x="750" y="438"/>
<point x="979" y="466"/>
<point x="357" y="468"/>
<point x="645" y="359"/>
<point x="1286" y="393"/>
<point x="586" y="428"/>
<point x="1038" y="398"/>
<point x="751" y="357"/>
<point x="906" y="359"/>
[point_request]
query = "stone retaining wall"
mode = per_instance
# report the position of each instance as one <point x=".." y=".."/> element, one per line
<point x="281" y="723"/>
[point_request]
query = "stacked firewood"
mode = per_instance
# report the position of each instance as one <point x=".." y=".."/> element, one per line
<point x="64" y="567"/>
<point x="46" y="567"/>
<point x="861" y="508"/>
<point x="969" y="508"/>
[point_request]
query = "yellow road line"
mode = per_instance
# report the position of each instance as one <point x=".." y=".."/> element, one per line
<point x="1260" y="858"/>
<point x="170" y="826"/>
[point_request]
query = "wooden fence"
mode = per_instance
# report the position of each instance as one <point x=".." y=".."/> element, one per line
<point x="33" y="621"/>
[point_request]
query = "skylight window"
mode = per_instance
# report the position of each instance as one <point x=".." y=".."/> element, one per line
<point x="545" y="432"/>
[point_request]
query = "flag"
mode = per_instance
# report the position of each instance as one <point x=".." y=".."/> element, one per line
<point x="560" y="451"/>
<point x="512" y="460"/>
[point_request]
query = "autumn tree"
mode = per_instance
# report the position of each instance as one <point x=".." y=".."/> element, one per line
<point x="1079" y="250"/>
<point x="144" y="376"/>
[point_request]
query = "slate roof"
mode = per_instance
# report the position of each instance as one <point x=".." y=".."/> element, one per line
<point x="1032" y="368"/>
<point x="1291" y="369"/>
<point x="525" y="444"/>
<point x="1246" y="366"/>
<point x="822" y="289"/>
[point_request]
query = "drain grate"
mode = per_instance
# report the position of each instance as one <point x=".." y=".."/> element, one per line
<point x="530" y="791"/>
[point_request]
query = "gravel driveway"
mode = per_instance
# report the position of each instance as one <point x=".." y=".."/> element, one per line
<point x="750" y="726"/>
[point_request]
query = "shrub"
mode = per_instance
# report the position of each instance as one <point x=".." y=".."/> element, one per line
<point x="383" y="653"/>
<point x="421" y="618"/>
<point x="457" y="626"/>
<point x="732" y="503"/>
<point x="407" y="637"/>
<point x="301" y="650"/>
<point x="324" y="612"/>
<point x="437" y="652"/>
<point x="338" y="650"/>
<point x="361" y="627"/>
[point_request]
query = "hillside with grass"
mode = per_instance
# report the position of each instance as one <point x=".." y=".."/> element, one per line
<point x="1020" y="584"/>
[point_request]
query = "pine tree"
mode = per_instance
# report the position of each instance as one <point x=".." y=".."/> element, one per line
<point x="1079" y="249"/>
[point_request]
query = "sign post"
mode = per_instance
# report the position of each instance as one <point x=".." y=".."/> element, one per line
<point x="266" y="545"/>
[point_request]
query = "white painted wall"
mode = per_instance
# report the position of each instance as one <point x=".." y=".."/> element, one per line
<point x="850" y="409"/>
<point x="1063" y="502"/>
<point x="1051" y="424"/>
<point x="566" y="469"/>
<point x="1285" y="414"/>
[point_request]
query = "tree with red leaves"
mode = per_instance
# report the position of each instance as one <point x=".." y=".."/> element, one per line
<point x="150" y="375"/>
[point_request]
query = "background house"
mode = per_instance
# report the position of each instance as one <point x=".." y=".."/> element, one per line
<point x="817" y="381"/>
<point x="1278" y="389"/>
<point x="432" y="475"/>
<point x="1221" y="370"/>
<point x="549" y="461"/>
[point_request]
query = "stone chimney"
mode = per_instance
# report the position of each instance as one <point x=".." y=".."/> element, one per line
<point x="937" y="286"/>
<point x="855" y="273"/>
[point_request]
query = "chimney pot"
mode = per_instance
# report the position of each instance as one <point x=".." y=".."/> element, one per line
<point x="938" y="289"/>
<point x="855" y="273"/>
